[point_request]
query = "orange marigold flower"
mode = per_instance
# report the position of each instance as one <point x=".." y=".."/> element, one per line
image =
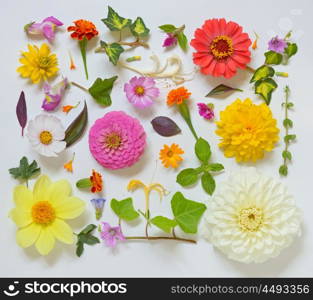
<point x="83" y="29"/>
<point x="96" y="181"/>
<point x="170" y="155"/>
<point x="178" y="96"/>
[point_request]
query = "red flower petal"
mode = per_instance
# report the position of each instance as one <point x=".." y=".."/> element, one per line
<point x="228" y="72"/>
<point x="202" y="37"/>
<point x="209" y="69"/>
<point x="199" y="46"/>
<point x="222" y="26"/>
<point x="219" y="69"/>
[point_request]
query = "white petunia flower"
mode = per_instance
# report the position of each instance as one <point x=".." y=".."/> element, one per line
<point x="252" y="217"/>
<point x="46" y="135"/>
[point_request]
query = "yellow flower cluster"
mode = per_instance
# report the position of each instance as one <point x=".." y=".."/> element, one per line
<point x="247" y="130"/>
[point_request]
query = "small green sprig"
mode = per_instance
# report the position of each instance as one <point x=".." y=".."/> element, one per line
<point x="86" y="237"/>
<point x="190" y="176"/>
<point x="288" y="124"/>
<point x="178" y="33"/>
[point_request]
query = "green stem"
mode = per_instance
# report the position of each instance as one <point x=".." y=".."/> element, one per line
<point x="185" y="113"/>
<point x="83" y="49"/>
<point x="26" y="182"/>
<point x="153" y="238"/>
<point x="286" y="116"/>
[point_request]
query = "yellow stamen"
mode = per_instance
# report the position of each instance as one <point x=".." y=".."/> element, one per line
<point x="139" y="90"/>
<point x="250" y="219"/>
<point x="45" y="137"/>
<point x="222" y="47"/>
<point x="113" y="141"/>
<point x="43" y="213"/>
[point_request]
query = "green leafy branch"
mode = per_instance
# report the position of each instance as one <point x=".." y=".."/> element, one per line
<point x="288" y="124"/>
<point x="117" y="23"/>
<point x="190" y="176"/>
<point x="86" y="237"/>
<point x="264" y="84"/>
<point x="178" y="33"/>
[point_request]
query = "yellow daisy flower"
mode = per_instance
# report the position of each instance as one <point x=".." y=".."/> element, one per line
<point x="38" y="64"/>
<point x="247" y="130"/>
<point x="40" y="214"/>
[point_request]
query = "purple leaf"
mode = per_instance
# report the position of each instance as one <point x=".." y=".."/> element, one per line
<point x="21" y="111"/>
<point x="165" y="126"/>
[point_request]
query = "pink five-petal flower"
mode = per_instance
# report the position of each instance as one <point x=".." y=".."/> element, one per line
<point x="141" y="91"/>
<point x="170" y="40"/>
<point x="110" y="235"/>
<point x="45" y="28"/>
<point x="53" y="95"/>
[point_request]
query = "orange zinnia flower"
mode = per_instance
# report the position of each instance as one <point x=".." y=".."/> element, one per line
<point x="177" y="96"/>
<point x="96" y="181"/>
<point x="170" y="156"/>
<point x="83" y="29"/>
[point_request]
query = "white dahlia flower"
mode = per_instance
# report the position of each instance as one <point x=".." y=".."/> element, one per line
<point x="251" y="218"/>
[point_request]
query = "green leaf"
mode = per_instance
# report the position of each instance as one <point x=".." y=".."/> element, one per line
<point x="124" y="209"/>
<point x="101" y="90"/>
<point x="83" y="49"/>
<point x="138" y="28"/>
<point x="84" y="183"/>
<point x="187" y="212"/>
<point x="77" y="127"/>
<point x="208" y="183"/>
<point x="273" y="58"/>
<point x="221" y="89"/>
<point x="163" y="223"/>
<point x="168" y="28"/>
<point x="187" y="177"/>
<point x="265" y="88"/>
<point x="113" y="51"/>
<point x="291" y="49"/>
<point x="182" y="41"/>
<point x="203" y="150"/>
<point x="287" y="155"/>
<point x="89" y="239"/>
<point x="287" y="123"/>
<point x="290" y="105"/>
<point x="86" y="237"/>
<point x="88" y="229"/>
<point x="79" y="249"/>
<point x="289" y="137"/>
<point x="115" y="22"/>
<point x="215" y="167"/>
<point x="283" y="170"/>
<point x="262" y="72"/>
<point x="25" y="171"/>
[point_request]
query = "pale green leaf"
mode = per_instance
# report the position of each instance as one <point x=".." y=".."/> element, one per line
<point x="115" y="22"/>
<point x="203" y="150"/>
<point x="187" y="177"/>
<point x="208" y="183"/>
<point x="113" y="51"/>
<point x="273" y="58"/>
<point x="168" y="28"/>
<point x="138" y="28"/>
<point x="163" y="223"/>
<point x="262" y="72"/>
<point x="265" y="88"/>
<point x="124" y="209"/>
<point x="101" y="90"/>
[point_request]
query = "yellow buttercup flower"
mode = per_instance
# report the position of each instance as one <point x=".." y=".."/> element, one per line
<point x="40" y="214"/>
<point x="38" y="64"/>
<point x="247" y="130"/>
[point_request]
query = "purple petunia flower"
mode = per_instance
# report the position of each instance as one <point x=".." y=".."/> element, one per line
<point x="53" y="95"/>
<point x="98" y="205"/>
<point x="277" y="45"/>
<point x="170" y="40"/>
<point x="206" y="110"/>
<point x="45" y="28"/>
<point x="141" y="91"/>
<point x="111" y="234"/>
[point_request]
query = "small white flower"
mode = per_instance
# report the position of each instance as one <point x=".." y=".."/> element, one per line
<point x="46" y="135"/>
<point x="252" y="217"/>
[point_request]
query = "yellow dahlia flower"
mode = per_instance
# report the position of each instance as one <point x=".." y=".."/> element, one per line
<point x="40" y="214"/>
<point x="38" y="64"/>
<point x="247" y="130"/>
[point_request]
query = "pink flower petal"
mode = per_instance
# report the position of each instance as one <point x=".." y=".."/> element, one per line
<point x="48" y="32"/>
<point x="53" y="20"/>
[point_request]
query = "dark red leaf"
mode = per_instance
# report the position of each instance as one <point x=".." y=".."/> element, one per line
<point x="21" y="111"/>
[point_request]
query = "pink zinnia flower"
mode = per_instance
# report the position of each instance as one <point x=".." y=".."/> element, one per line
<point x="277" y="45"/>
<point x="54" y="94"/>
<point x="117" y="140"/>
<point x="111" y="234"/>
<point x="141" y="91"/>
<point x="206" y="111"/>
<point x="170" y="40"/>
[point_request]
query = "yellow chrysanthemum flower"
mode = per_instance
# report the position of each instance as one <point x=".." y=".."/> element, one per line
<point x="247" y="130"/>
<point x="40" y="214"/>
<point x="38" y="64"/>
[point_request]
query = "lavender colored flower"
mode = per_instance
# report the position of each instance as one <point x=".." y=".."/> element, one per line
<point x="98" y="204"/>
<point x="206" y="110"/>
<point x="54" y="95"/>
<point x="111" y="234"/>
<point x="170" y="40"/>
<point x="141" y="91"/>
<point x="277" y="45"/>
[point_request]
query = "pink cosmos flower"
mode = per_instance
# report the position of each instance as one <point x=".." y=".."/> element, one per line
<point x="141" y="91"/>
<point x="45" y="28"/>
<point x="117" y="140"/>
<point x="111" y="234"/>
<point x="170" y="40"/>
<point x="206" y="110"/>
<point x="53" y="94"/>
<point x="277" y="45"/>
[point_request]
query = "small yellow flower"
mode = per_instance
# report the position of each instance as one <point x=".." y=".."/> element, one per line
<point x="247" y="130"/>
<point x="38" y="64"/>
<point x="40" y="214"/>
<point x="171" y="156"/>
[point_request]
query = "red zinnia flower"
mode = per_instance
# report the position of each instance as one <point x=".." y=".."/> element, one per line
<point x="221" y="48"/>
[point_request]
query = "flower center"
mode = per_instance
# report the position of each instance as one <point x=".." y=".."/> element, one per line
<point x="113" y="140"/>
<point x="170" y="153"/>
<point x="43" y="213"/>
<point x="222" y="47"/>
<point x="112" y="232"/>
<point x="139" y="90"/>
<point x="44" y="61"/>
<point x="250" y="219"/>
<point x="45" y="137"/>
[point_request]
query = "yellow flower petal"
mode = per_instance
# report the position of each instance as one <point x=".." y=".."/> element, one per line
<point x="69" y="208"/>
<point x="41" y="187"/>
<point x="135" y="184"/>
<point x="23" y="197"/>
<point x="62" y="231"/>
<point x="21" y="217"/>
<point x="59" y="191"/>
<point x="27" y="236"/>
<point x="45" y="242"/>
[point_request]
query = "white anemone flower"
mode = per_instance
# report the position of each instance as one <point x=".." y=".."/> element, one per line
<point x="46" y="135"/>
<point x="251" y="218"/>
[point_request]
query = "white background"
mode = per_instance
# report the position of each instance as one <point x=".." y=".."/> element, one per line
<point x="162" y="259"/>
